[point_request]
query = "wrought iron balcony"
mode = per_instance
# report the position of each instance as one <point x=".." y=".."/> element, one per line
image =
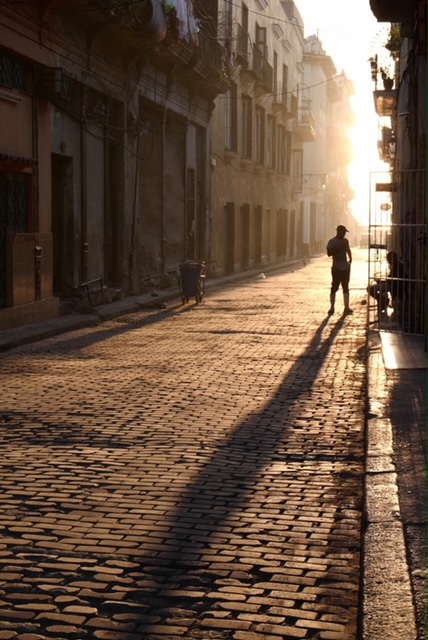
<point x="304" y="128"/>
<point x="206" y="72"/>
<point x="198" y="59"/>
<point x="130" y="25"/>
<point x="260" y="70"/>
<point x="282" y="100"/>
<point x="241" y="44"/>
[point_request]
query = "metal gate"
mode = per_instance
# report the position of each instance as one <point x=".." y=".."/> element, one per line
<point x="397" y="252"/>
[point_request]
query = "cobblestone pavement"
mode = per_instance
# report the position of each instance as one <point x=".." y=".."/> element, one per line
<point x="195" y="473"/>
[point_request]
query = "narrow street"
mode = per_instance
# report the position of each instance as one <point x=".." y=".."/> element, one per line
<point x="195" y="473"/>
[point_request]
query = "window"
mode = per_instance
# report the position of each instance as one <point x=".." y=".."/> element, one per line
<point x="287" y="153"/>
<point x="284" y="89"/>
<point x="297" y="170"/>
<point x="261" y="42"/>
<point x="281" y="150"/>
<point x="247" y="114"/>
<point x="231" y="120"/>
<point x="14" y="72"/>
<point x="260" y="136"/>
<point x="275" y="72"/>
<point x="271" y="143"/>
<point x="244" y="18"/>
<point x="284" y="151"/>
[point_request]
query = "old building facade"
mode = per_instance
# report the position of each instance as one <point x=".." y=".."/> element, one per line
<point x="105" y="180"/>
<point x="325" y="190"/>
<point x="257" y="134"/>
<point x="149" y="133"/>
<point x="399" y="197"/>
<point x="280" y="141"/>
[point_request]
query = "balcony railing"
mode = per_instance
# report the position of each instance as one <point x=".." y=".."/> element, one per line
<point x="212" y="68"/>
<point x="198" y="59"/>
<point x="262" y="69"/>
<point x="241" y="45"/>
<point x="304" y="128"/>
<point x="294" y="105"/>
<point x="259" y="69"/>
<point x="282" y="99"/>
<point x="147" y="20"/>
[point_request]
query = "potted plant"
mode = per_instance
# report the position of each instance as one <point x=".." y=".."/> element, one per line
<point x="388" y="81"/>
<point x="394" y="41"/>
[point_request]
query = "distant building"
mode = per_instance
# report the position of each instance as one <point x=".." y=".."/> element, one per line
<point x="256" y="142"/>
<point x="280" y="145"/>
<point x="325" y="185"/>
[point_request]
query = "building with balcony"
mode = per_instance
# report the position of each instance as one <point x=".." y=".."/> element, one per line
<point x="104" y="116"/>
<point x="327" y="152"/>
<point x="257" y="133"/>
<point x="402" y="144"/>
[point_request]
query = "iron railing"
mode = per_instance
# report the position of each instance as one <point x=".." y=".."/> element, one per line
<point x="397" y="223"/>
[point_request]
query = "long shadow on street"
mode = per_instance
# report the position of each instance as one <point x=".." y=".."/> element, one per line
<point x="215" y="506"/>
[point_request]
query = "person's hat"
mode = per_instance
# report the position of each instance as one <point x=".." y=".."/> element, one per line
<point x="342" y="227"/>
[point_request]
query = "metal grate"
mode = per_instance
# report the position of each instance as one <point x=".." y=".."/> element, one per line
<point x="14" y="72"/>
<point x="397" y="224"/>
<point x="14" y="192"/>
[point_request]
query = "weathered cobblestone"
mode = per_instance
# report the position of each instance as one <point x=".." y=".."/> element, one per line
<point x="196" y="474"/>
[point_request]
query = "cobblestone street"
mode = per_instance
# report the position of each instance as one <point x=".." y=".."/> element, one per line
<point x="195" y="472"/>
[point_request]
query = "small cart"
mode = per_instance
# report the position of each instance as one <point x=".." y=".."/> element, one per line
<point x="191" y="280"/>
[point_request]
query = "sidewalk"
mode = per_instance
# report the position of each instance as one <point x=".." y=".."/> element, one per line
<point x="395" y="576"/>
<point x="399" y="351"/>
<point x="155" y="301"/>
<point x="390" y="577"/>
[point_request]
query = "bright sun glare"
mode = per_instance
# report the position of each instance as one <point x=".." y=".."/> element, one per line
<point x="349" y="32"/>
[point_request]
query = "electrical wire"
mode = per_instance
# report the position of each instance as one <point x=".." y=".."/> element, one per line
<point x="130" y="3"/>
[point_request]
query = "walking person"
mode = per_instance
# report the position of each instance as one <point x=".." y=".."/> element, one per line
<point x="338" y="248"/>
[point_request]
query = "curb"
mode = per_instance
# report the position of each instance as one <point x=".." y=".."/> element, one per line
<point x="387" y="599"/>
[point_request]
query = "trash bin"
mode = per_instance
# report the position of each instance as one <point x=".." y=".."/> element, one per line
<point x="191" y="281"/>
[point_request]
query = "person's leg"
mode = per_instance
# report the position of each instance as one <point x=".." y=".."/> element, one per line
<point x="346" y="307"/>
<point x="335" y="282"/>
<point x="345" y="286"/>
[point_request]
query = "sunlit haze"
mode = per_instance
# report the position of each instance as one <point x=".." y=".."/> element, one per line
<point x="349" y="33"/>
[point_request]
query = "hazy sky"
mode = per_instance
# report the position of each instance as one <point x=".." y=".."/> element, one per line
<point x="350" y="34"/>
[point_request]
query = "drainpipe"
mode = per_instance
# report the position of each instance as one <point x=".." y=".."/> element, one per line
<point x="83" y="199"/>
<point x="131" y="257"/>
<point x="426" y="263"/>
<point x="35" y="167"/>
<point x="186" y="196"/>
<point x="35" y="201"/>
<point x="163" y="239"/>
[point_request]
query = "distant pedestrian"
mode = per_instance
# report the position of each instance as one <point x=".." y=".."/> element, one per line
<point x="338" y="249"/>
